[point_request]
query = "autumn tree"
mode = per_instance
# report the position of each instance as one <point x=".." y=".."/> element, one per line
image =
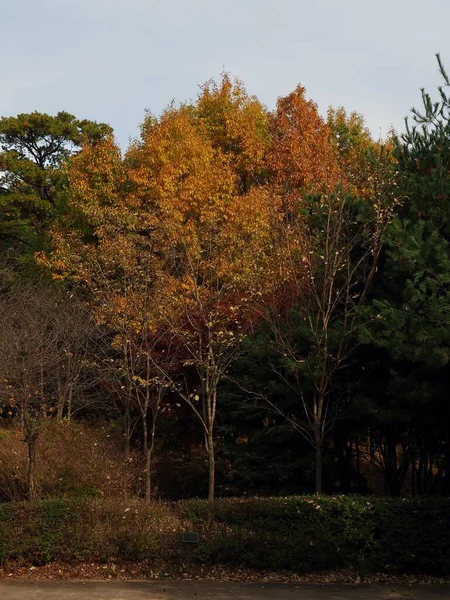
<point x="199" y="167"/>
<point x="353" y="144"/>
<point x="102" y="249"/>
<point x="143" y="358"/>
<point x="184" y="221"/>
<point x="302" y="158"/>
<point x="237" y="125"/>
<point x="316" y="333"/>
<point x="361" y="159"/>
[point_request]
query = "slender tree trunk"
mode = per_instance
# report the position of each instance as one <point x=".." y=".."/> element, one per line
<point x="445" y="487"/>
<point x="413" y="476"/>
<point x="358" y="463"/>
<point x="148" y="458"/>
<point x="318" y="404"/>
<point x="148" y="488"/>
<point x="391" y="464"/>
<point x="211" y="466"/>
<point x="209" y="411"/>
<point x="420" y="476"/>
<point x="59" y="411"/>
<point x="428" y="473"/>
<point x="148" y="476"/>
<point x="69" y="404"/>
<point x="127" y="429"/>
<point x="319" y="477"/>
<point x="60" y="408"/>
<point x="31" y="478"/>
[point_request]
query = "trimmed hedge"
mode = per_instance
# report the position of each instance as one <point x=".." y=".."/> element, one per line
<point x="302" y="534"/>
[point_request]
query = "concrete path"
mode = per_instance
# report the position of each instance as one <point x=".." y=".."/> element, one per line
<point x="202" y="590"/>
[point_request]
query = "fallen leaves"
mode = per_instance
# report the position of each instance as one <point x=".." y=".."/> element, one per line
<point x="153" y="571"/>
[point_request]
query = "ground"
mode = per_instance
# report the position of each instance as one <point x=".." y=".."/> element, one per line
<point x="199" y="590"/>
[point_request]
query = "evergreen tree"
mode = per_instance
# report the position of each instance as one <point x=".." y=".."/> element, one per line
<point x="34" y="148"/>
<point x="410" y="310"/>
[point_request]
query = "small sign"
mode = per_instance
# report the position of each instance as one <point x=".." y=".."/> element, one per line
<point x="189" y="537"/>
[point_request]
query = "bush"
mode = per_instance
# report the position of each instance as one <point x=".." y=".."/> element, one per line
<point x="302" y="534"/>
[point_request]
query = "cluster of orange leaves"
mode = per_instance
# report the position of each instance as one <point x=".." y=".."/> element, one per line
<point x="198" y="205"/>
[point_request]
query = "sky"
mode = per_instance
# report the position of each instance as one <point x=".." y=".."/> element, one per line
<point x="110" y="60"/>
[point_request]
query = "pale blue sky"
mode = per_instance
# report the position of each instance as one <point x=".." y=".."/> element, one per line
<point x="109" y="60"/>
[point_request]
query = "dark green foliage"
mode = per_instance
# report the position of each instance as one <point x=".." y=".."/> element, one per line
<point x="306" y="534"/>
<point x="407" y="334"/>
<point x="34" y="149"/>
<point x="264" y="453"/>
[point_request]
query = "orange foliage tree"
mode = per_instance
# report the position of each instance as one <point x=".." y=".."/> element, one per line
<point x="185" y="223"/>
<point x="302" y="158"/>
<point x="198" y="168"/>
<point x="105" y="249"/>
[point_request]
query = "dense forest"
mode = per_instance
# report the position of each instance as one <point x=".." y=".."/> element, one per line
<point x="244" y="302"/>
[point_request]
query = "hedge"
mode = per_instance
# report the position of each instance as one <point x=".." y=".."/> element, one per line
<point x="302" y="534"/>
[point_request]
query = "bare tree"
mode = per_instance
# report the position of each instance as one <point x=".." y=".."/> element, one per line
<point x="38" y="359"/>
<point x="334" y="244"/>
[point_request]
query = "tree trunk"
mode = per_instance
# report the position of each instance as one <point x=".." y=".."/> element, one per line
<point x="318" y="467"/>
<point x="60" y="409"/>
<point x="31" y="478"/>
<point x="391" y="465"/>
<point x="211" y="467"/>
<point x="445" y="486"/>
<point x="127" y="430"/>
<point x="358" y="463"/>
<point x="148" y="459"/>
<point x="69" y="403"/>
<point x="148" y="489"/>
<point x="148" y="475"/>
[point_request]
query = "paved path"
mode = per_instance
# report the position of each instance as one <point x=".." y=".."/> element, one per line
<point x="202" y="590"/>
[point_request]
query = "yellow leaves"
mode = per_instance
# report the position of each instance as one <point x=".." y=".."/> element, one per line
<point x="178" y="169"/>
<point x="207" y="229"/>
<point x="237" y="124"/>
<point x="140" y="381"/>
<point x="95" y="175"/>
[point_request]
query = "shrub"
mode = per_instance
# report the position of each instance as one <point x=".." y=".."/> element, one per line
<point x="302" y="534"/>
